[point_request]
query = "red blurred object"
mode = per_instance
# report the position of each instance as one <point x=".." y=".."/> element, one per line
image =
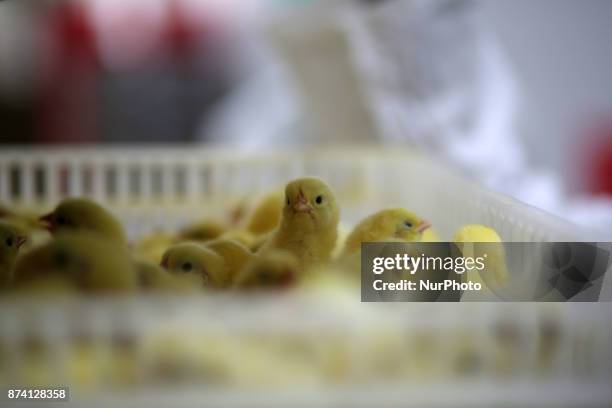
<point x="599" y="160"/>
<point x="179" y="33"/>
<point x="68" y="73"/>
<point x="186" y="35"/>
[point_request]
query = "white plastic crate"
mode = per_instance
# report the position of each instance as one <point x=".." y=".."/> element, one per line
<point x="304" y="351"/>
<point x="475" y="354"/>
<point x="171" y="185"/>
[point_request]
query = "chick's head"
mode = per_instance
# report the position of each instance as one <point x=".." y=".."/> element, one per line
<point x="192" y="261"/>
<point x="11" y="239"/>
<point x="82" y="214"/>
<point x="310" y="205"/>
<point x="84" y="260"/>
<point x="388" y="224"/>
<point x="406" y="225"/>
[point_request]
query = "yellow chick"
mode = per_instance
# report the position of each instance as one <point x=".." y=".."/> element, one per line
<point x="332" y="281"/>
<point x="343" y="233"/>
<point x="267" y="213"/>
<point x="86" y="261"/>
<point x="153" y="278"/>
<point x="392" y="223"/>
<point x="150" y="275"/>
<point x="430" y="235"/>
<point x="309" y="224"/>
<point x="11" y="239"/>
<point x="275" y="269"/>
<point x="495" y="265"/>
<point x="235" y="254"/>
<point x="238" y="209"/>
<point x="194" y="262"/>
<point x="26" y="218"/>
<point x="83" y="214"/>
<point x="259" y="241"/>
<point x="244" y="237"/>
<point x="27" y="222"/>
<point x="153" y="245"/>
<point x="53" y="285"/>
<point x="202" y="231"/>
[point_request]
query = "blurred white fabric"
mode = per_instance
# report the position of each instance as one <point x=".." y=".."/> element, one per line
<point x="424" y="71"/>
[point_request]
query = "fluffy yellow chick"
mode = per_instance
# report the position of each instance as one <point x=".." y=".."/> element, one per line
<point x="26" y="218"/>
<point x="27" y="222"/>
<point x="275" y="269"/>
<point x="309" y="225"/>
<point x="83" y="214"/>
<point x="244" y="237"/>
<point x="153" y="245"/>
<point x="391" y="223"/>
<point x="267" y="213"/>
<point x="496" y="271"/>
<point x="193" y="261"/>
<point x="86" y="261"/>
<point x="11" y="239"/>
<point x="235" y="254"/>
<point x="202" y="231"/>
<point x="343" y="233"/>
<point x="238" y="209"/>
<point x="430" y="235"/>
<point x="259" y="241"/>
<point x="152" y="277"/>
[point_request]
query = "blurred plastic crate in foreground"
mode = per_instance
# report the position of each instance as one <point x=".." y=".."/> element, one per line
<point x="323" y="347"/>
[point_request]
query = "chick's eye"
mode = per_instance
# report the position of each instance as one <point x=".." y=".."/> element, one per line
<point x="319" y="199"/>
<point x="288" y="202"/>
<point x="408" y="224"/>
<point x="9" y="242"/>
<point x="60" y="220"/>
<point x="187" y="267"/>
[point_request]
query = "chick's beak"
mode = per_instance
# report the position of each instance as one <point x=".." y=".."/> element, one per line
<point x="300" y="204"/>
<point x="423" y="226"/>
<point x="164" y="263"/>
<point x="20" y="240"/>
<point x="47" y="222"/>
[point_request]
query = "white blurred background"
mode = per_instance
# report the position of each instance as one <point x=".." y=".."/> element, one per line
<point x="518" y="95"/>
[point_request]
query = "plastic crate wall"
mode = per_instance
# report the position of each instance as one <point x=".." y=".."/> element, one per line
<point x="166" y="187"/>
